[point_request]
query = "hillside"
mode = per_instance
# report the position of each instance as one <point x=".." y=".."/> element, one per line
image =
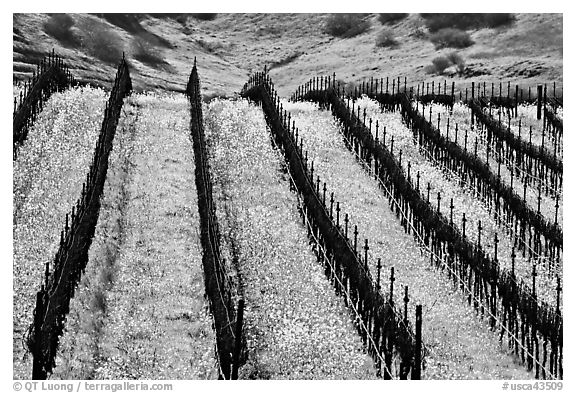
<point x="161" y="49"/>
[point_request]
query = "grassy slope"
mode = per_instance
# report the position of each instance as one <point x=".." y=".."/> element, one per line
<point x="233" y="45"/>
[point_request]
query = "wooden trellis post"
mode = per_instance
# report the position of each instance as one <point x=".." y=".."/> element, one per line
<point x="238" y="339"/>
<point x="392" y="279"/>
<point x="38" y="364"/>
<point x="355" y="239"/>
<point x="539" y="103"/>
<point x="406" y="300"/>
<point x="379" y="268"/>
<point x="416" y="371"/>
<point x="331" y="205"/>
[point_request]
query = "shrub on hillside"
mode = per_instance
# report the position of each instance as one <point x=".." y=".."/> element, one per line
<point x="128" y="22"/>
<point x="391" y="18"/>
<point x="285" y="60"/>
<point x="436" y="22"/>
<point x="451" y="38"/>
<point x="102" y="43"/>
<point x="131" y="23"/>
<point x="456" y="60"/>
<point x="58" y="26"/>
<point x="418" y="33"/>
<point x="386" y="39"/>
<point x="180" y="18"/>
<point x="430" y="69"/>
<point x="441" y="63"/>
<point x="146" y="53"/>
<point x="210" y="46"/>
<point x="347" y="87"/>
<point x="346" y="25"/>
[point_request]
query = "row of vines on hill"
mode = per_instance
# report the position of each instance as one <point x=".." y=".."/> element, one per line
<point x="549" y="109"/>
<point x="220" y="290"/>
<point x="51" y="75"/>
<point x="469" y="166"/>
<point x="538" y="161"/>
<point x="541" y="235"/>
<point x="62" y="277"/>
<point x="532" y="326"/>
<point x="385" y="331"/>
<point x="444" y="93"/>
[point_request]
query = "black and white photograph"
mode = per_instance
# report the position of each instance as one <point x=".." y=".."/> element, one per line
<point x="287" y="196"/>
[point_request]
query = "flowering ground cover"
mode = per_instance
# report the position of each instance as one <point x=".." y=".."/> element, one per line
<point x="528" y="117"/>
<point x="295" y="326"/>
<point x="460" y="116"/>
<point x="460" y="345"/>
<point x="47" y="180"/>
<point x="464" y="201"/>
<point x="139" y="312"/>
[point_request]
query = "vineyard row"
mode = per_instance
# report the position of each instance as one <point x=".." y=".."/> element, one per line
<point x="51" y="75"/>
<point x="219" y="289"/>
<point x="383" y="329"/>
<point x="60" y="280"/>
<point x="527" y="153"/>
